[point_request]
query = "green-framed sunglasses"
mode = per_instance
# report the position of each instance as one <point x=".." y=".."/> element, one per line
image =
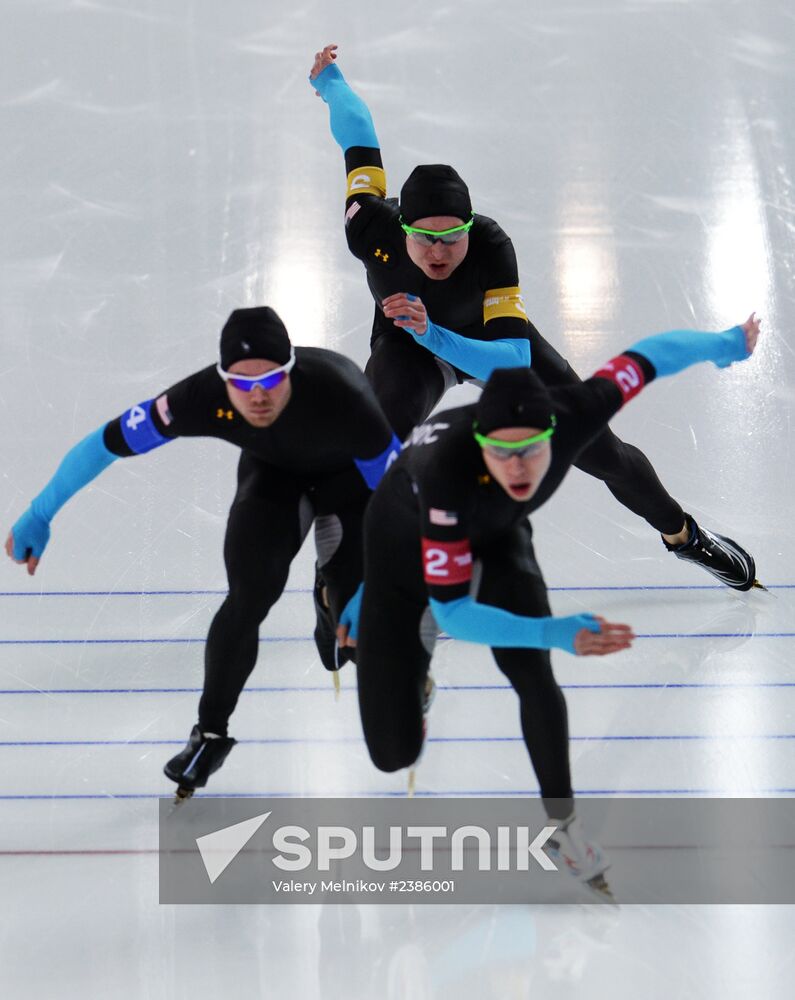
<point x="504" y="450"/>
<point x="427" y="237"/>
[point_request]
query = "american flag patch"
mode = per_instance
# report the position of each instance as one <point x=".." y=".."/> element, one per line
<point x="442" y="517"/>
<point x="352" y="210"/>
<point x="161" y="404"/>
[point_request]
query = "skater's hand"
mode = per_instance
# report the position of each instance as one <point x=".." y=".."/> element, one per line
<point x="348" y="627"/>
<point x="751" y="330"/>
<point x="407" y="311"/>
<point x="344" y="638"/>
<point x="30" y="561"/>
<point x="611" y="638"/>
<point x="322" y="59"/>
<point x="27" y="540"/>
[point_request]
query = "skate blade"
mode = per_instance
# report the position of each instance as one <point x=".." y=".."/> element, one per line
<point x="599" y="887"/>
<point x="412" y="783"/>
<point x="182" y="794"/>
<point x="335" y="675"/>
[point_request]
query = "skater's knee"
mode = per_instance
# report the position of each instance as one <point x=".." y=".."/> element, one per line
<point x="246" y="607"/>
<point x="604" y="454"/>
<point x="385" y="762"/>
<point x="391" y="756"/>
<point x="609" y="456"/>
<point x="390" y="762"/>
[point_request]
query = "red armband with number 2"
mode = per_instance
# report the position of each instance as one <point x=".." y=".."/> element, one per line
<point x="446" y="563"/>
<point x="625" y="373"/>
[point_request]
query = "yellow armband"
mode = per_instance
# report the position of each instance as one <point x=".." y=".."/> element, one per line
<point x="367" y="180"/>
<point x="498" y="302"/>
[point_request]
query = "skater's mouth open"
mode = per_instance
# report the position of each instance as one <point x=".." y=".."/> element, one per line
<point x="521" y="491"/>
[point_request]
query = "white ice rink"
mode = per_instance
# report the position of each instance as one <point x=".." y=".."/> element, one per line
<point x="164" y="163"/>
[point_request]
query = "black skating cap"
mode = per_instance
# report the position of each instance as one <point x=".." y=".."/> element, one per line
<point x="254" y="333"/>
<point x="513" y="397"/>
<point x="434" y="189"/>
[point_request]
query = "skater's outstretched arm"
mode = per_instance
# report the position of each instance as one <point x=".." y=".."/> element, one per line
<point x="582" y="635"/>
<point x="465" y="619"/>
<point x="670" y="353"/>
<point x="594" y="402"/>
<point x="28" y="538"/>
<point x="477" y="358"/>
<point x="665" y="353"/>
<point x="676" y="350"/>
<point x="351" y="126"/>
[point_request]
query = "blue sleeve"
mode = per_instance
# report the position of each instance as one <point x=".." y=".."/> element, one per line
<point x="676" y="350"/>
<point x="351" y="123"/>
<point x="79" y="466"/>
<point x="372" y="469"/>
<point x="477" y="358"/>
<point x="472" y="622"/>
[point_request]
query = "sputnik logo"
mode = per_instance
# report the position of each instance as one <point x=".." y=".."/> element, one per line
<point x="219" y="849"/>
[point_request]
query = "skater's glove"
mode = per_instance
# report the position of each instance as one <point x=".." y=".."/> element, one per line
<point x="31" y="534"/>
<point x="350" y="614"/>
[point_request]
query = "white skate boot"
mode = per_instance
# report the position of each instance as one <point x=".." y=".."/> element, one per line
<point x="582" y="859"/>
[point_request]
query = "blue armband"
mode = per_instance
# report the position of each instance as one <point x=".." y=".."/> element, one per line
<point x="676" y="350"/>
<point x="80" y="465"/>
<point x="372" y="469"/>
<point x="139" y="431"/>
<point x="350" y="613"/>
<point x="477" y="358"/>
<point x="351" y="123"/>
<point x="472" y="622"/>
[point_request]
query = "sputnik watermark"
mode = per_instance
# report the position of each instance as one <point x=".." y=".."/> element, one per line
<point x="472" y="850"/>
<point x="296" y="849"/>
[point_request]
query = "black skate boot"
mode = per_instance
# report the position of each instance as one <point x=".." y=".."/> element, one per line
<point x="202" y="756"/>
<point x="720" y="556"/>
<point x="331" y="656"/>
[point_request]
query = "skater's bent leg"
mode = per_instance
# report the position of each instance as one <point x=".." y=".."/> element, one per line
<point x="512" y="580"/>
<point x="544" y="720"/>
<point x="406" y="378"/>
<point x="631" y="478"/>
<point x="392" y="666"/>
<point x="263" y="535"/>
<point x="396" y="633"/>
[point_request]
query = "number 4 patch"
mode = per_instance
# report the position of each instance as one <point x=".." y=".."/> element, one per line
<point x="139" y="431"/>
<point x="446" y="563"/>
